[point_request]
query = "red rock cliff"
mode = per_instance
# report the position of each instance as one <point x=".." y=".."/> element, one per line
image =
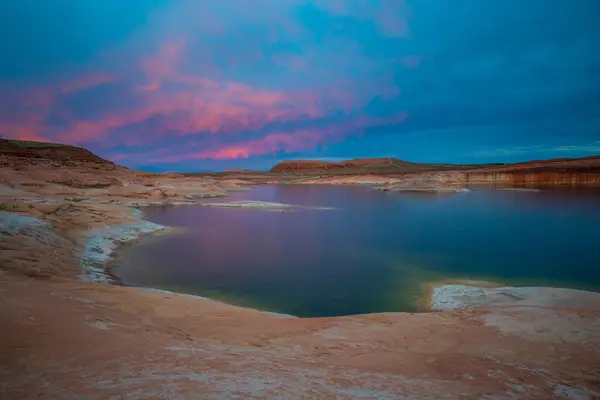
<point x="577" y="172"/>
<point x="367" y="164"/>
<point x="28" y="153"/>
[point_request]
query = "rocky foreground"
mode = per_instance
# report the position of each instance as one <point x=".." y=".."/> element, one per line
<point x="65" y="333"/>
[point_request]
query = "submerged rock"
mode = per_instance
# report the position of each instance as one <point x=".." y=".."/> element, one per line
<point x="271" y="206"/>
<point x="518" y="189"/>
<point x="248" y="204"/>
<point x="202" y="196"/>
<point x="423" y="185"/>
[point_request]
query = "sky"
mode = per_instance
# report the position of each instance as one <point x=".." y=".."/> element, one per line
<point x="190" y="85"/>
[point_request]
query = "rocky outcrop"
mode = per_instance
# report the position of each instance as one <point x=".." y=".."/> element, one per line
<point x="355" y="165"/>
<point x="422" y="185"/>
<point x="366" y="179"/>
<point x="567" y="172"/>
<point x="304" y="166"/>
<point x="23" y="153"/>
<point x="571" y="177"/>
<point x="266" y="205"/>
<point x="457" y="296"/>
<point x="33" y="173"/>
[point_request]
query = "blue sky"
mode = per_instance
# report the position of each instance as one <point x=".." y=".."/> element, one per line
<point x="189" y="85"/>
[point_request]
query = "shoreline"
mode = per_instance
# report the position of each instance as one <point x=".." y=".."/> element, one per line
<point x="428" y="290"/>
<point x="199" y="297"/>
<point x="64" y="337"/>
<point x="100" y="245"/>
<point x="456" y="294"/>
<point x="99" y="253"/>
<point x="427" y="301"/>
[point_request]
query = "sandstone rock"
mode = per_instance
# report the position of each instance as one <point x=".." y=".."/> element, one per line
<point x="157" y="194"/>
<point x="573" y="172"/>
<point x="453" y="297"/>
<point x="47" y="208"/>
<point x="365" y="164"/>
<point x="263" y="205"/>
<point x="76" y="199"/>
<point x="64" y="338"/>
<point x="423" y="185"/>
<point x="202" y="196"/>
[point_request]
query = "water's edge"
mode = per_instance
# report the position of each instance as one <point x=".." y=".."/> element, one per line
<point x="101" y="246"/>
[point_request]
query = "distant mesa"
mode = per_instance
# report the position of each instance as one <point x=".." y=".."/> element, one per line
<point x="394" y="165"/>
<point x="565" y="171"/>
<point x="31" y="152"/>
<point x="384" y="164"/>
<point x="18" y="154"/>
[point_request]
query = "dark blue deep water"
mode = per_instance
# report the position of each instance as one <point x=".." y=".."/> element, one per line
<point x="373" y="251"/>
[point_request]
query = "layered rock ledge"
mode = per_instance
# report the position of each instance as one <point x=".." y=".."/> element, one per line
<point x="266" y="205"/>
<point x="565" y="172"/>
<point x="422" y="185"/>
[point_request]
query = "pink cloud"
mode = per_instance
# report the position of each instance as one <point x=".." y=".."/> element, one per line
<point x="272" y="143"/>
<point x="202" y="105"/>
<point x="22" y="132"/>
<point x="174" y="91"/>
<point x="293" y="141"/>
<point x="164" y="63"/>
<point x="208" y="107"/>
<point x="26" y="121"/>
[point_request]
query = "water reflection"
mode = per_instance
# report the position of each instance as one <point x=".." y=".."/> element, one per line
<point x="371" y="253"/>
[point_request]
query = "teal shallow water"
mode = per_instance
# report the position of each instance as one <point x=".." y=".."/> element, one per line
<point x="372" y="252"/>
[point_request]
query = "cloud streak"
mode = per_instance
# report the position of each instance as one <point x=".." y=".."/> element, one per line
<point x="188" y="82"/>
<point x="172" y="93"/>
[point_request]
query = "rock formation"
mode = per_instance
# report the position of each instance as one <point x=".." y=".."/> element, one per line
<point x="350" y="166"/>
<point x="422" y="185"/>
<point x="568" y="172"/>
<point x="65" y="333"/>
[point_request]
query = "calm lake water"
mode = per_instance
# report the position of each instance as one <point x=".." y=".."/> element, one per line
<point x="372" y="252"/>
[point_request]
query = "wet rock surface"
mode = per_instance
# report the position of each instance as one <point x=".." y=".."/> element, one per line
<point x="267" y="205"/>
<point x="423" y="185"/>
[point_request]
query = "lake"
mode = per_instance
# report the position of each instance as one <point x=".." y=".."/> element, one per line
<point x="372" y="252"/>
